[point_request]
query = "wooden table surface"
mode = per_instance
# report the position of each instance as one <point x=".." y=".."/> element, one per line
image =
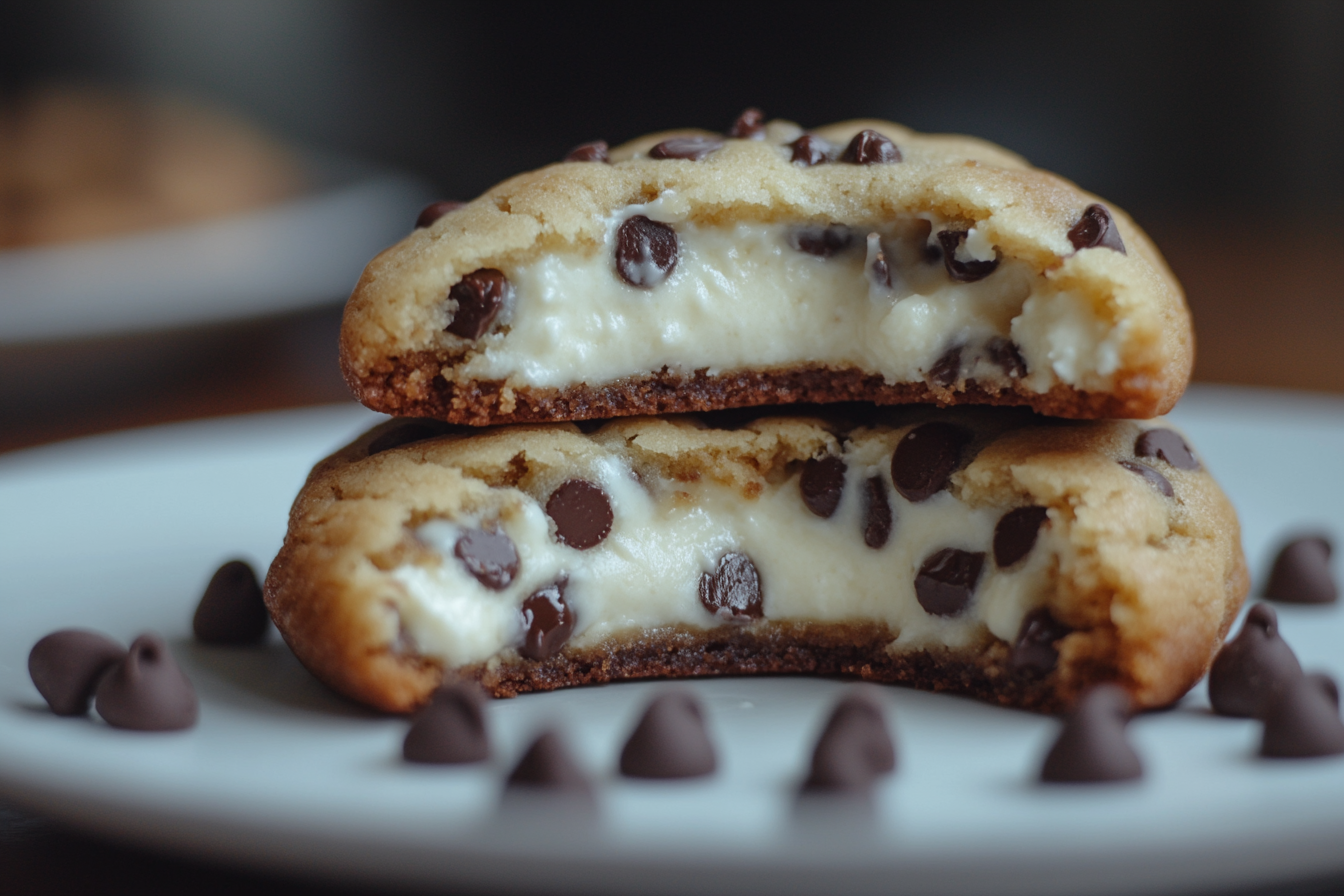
<point x="1268" y="302"/>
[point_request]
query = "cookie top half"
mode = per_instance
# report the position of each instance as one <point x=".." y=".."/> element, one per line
<point x="687" y="271"/>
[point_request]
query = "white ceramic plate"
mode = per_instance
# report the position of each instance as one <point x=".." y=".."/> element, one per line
<point x="120" y="533"/>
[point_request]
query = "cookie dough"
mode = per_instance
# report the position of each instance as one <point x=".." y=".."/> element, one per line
<point x="687" y="272"/>
<point x="985" y="551"/>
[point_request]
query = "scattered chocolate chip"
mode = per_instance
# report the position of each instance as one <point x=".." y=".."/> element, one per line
<point x="1154" y="478"/>
<point x="733" y="591"/>
<point x="1167" y="445"/>
<point x="548" y="621"/>
<point x="1251" y="668"/>
<point x="932" y="253"/>
<point x="691" y="148"/>
<point x="963" y="271"/>
<point x="489" y="556"/>
<point x="146" y="691"/>
<point x="1093" y="746"/>
<point x="479" y="296"/>
<point x="870" y="148"/>
<point x="926" y="458"/>
<point x="947" y="369"/>
<point x="750" y="125"/>
<point x="947" y="579"/>
<point x="65" y="667"/>
<point x="232" y="610"/>
<point x="547" y="765"/>
<point x="809" y="150"/>
<point x="1301" y="573"/>
<point x="1301" y="721"/>
<point x="670" y="741"/>
<point x="596" y="151"/>
<point x="1036" y="639"/>
<point x="406" y="433"/>
<point x="450" y="729"/>
<point x="436" y="210"/>
<point x="876" y="513"/>
<point x="822" y="483"/>
<point x="821" y="241"/>
<point x="581" y="512"/>
<point x="646" y="252"/>
<point x="879" y="271"/>
<point x="1015" y="534"/>
<point x="854" y="749"/>
<point x="1328" y="686"/>
<point x="1096" y="229"/>
<point x="1004" y="354"/>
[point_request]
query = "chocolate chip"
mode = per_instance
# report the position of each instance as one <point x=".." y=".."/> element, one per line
<point x="146" y="691"/>
<point x="876" y="513"/>
<point x="1036" y="639"/>
<point x="670" y="741"/>
<point x="581" y="512"/>
<point x="65" y="667"/>
<point x="1093" y="746"/>
<point x="932" y="253"/>
<point x="963" y="271"/>
<point x="947" y="579"/>
<point x="926" y="458"/>
<point x="479" y="296"/>
<point x="1301" y="573"/>
<point x="1167" y="445"/>
<point x="646" y="252"/>
<point x="1096" y="229"/>
<point x="809" y="150"/>
<point x="1015" y="535"/>
<point x="822" y="483"/>
<point x="947" y="369"/>
<point x="854" y="749"/>
<point x="596" y="151"/>
<point x="750" y="125"/>
<point x="406" y="433"/>
<point x="1301" y="721"/>
<point x="879" y="272"/>
<point x="733" y="591"/>
<point x="547" y="765"/>
<point x="436" y="210"/>
<point x="489" y="556"/>
<point x="822" y="242"/>
<point x="870" y="148"/>
<point x="692" y="148"/>
<point x="1251" y="668"/>
<point x="1004" y="354"/>
<point x="548" y="621"/>
<point x="450" y="729"/>
<point x="1154" y="478"/>
<point x="232" y="610"/>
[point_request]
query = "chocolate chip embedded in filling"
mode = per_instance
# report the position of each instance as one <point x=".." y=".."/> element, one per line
<point x="733" y="591"/>
<point x="1167" y="445"/>
<point x="595" y="151"/>
<point x="690" y="148"/>
<point x="947" y="369"/>
<point x="436" y="210"/>
<point x="962" y="271"/>
<point x="646" y="252"/>
<point x="822" y="483"/>
<point x="879" y="271"/>
<point x="1004" y="354"/>
<point x="582" y="514"/>
<point x="1015" y="535"/>
<point x="876" y="513"/>
<point x="870" y="148"/>
<point x="548" y="621"/>
<point x="750" y="125"/>
<point x="479" y="296"/>
<point x="926" y="458"/>
<point x="1154" y="478"/>
<point x="1036" y="639"/>
<point x="489" y="556"/>
<point x="809" y="150"/>
<point x="946" y="581"/>
<point x="1095" y="229"/>
<point x="822" y="242"/>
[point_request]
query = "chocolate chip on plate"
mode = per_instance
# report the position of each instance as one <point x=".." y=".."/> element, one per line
<point x="670" y="741"/>
<point x="946" y="581"/>
<point x="646" y="252"/>
<point x="548" y="765"/>
<point x="868" y="147"/>
<point x="595" y="151"/>
<point x="1035" y="647"/>
<point x="1004" y="354"/>
<point x="750" y="125"/>
<point x="65" y="667"/>
<point x="809" y="150"/>
<point x="436" y="210"/>
<point x="405" y="433"/>
<point x="581" y="512"/>
<point x="947" y="369"/>
<point x="489" y="556"/>
<point x="1093" y="746"/>
<point x="876" y="513"/>
<point x="822" y="242"/>
<point x="548" y="621"/>
<point x="1328" y="686"/>
<point x="690" y="148"/>
<point x="450" y="729"/>
<point x="1168" y="446"/>
<point x="1302" y="721"/>
<point x="1015" y="534"/>
<point x="1301" y="573"/>
<point x="963" y="271"/>
<point x="146" y="691"/>
<point x="926" y="458"/>
<point x="854" y="749"/>
<point x="480" y="295"/>
<point x="1251" y="668"/>
<point x="733" y="591"/>
<point x="232" y="610"/>
<point x="1096" y="229"/>
<point x="1154" y="478"/>
<point x="822" y="483"/>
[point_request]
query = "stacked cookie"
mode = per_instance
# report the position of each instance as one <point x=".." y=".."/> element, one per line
<point x="708" y="404"/>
